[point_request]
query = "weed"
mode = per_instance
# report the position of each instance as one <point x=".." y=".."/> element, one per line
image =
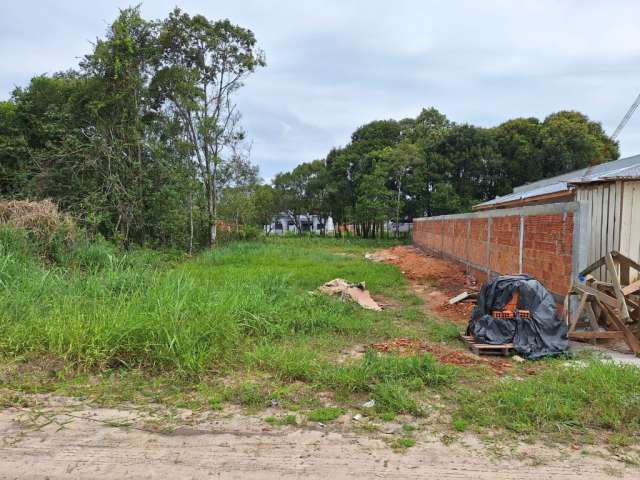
<point x="403" y="443"/>
<point x="459" y="424"/>
<point x="282" y="421"/>
<point x="391" y="397"/>
<point x="325" y="414"/>
<point x="617" y="440"/>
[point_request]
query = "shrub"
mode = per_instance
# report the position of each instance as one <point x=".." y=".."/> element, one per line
<point x="51" y="231"/>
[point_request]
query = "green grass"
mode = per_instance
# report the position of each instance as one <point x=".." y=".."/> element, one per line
<point x="325" y="414"/>
<point x="137" y="310"/>
<point x="403" y="443"/>
<point x="561" y="399"/>
<point x="282" y="421"/>
<point x="249" y="312"/>
<point x="244" y="324"/>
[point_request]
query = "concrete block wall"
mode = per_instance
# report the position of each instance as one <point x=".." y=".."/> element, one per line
<point x="539" y="240"/>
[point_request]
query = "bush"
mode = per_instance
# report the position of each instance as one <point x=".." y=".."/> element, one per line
<point x="51" y="232"/>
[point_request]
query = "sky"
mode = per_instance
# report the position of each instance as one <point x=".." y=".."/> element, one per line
<point x="334" y="65"/>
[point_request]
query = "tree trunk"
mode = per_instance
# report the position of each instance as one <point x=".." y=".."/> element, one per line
<point x="190" y="223"/>
<point x="398" y="211"/>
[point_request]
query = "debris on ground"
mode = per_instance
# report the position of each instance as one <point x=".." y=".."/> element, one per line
<point x="464" y="297"/>
<point x="608" y="309"/>
<point x="354" y="291"/>
<point x="381" y="256"/>
<point x="406" y="346"/>
<point x="517" y="311"/>
<point x="369" y="404"/>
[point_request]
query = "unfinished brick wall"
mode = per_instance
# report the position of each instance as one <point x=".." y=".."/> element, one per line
<point x="491" y="243"/>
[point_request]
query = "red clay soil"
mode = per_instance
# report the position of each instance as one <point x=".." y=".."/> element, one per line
<point x="406" y="346"/>
<point x="447" y="277"/>
<point x="435" y="280"/>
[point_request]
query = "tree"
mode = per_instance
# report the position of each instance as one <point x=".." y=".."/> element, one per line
<point x="121" y="65"/>
<point x="400" y="162"/>
<point x="14" y="171"/>
<point x="571" y="141"/>
<point x="266" y="204"/>
<point x="520" y="144"/>
<point x="201" y="66"/>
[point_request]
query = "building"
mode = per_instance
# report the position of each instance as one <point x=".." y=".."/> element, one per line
<point x="551" y="229"/>
<point x="307" y="223"/>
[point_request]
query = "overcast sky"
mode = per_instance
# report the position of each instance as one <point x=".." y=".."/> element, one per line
<point x="334" y="65"/>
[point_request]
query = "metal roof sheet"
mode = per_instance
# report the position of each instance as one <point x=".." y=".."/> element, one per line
<point x="623" y="169"/>
<point x="536" y="192"/>
<point x="630" y="172"/>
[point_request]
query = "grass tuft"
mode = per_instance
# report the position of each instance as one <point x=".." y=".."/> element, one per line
<point x="325" y="414"/>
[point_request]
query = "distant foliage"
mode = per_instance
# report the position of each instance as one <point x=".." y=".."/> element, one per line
<point x="399" y="170"/>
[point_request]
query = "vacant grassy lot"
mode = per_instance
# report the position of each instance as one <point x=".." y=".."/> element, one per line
<point x="244" y="325"/>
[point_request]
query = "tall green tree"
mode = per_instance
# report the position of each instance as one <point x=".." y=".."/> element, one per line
<point x="201" y="66"/>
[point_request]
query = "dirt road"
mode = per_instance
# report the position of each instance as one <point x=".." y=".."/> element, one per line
<point x="92" y="443"/>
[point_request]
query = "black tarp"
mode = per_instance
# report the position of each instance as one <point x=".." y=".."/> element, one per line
<point x="544" y="333"/>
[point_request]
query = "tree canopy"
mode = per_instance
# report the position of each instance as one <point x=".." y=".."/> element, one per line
<point x="398" y="170"/>
<point x="143" y="143"/>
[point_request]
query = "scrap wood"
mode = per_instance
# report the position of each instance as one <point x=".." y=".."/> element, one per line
<point x="463" y="297"/>
<point x="633" y="288"/>
<point x="354" y="291"/>
<point x="608" y="306"/>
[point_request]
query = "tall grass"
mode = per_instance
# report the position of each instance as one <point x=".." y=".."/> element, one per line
<point x="102" y="308"/>
<point x="564" y="398"/>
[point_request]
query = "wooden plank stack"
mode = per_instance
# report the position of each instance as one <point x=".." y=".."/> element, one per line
<point x="606" y="310"/>
<point x="504" y="349"/>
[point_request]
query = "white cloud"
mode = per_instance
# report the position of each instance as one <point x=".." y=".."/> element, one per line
<point x="334" y="65"/>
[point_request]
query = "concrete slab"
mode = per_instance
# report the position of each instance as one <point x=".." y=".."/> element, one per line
<point x="606" y="354"/>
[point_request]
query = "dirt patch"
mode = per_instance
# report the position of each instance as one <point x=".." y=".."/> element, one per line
<point x="406" y="346"/>
<point x="434" y="279"/>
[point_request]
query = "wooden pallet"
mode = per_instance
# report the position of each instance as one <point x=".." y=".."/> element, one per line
<point x="504" y="349"/>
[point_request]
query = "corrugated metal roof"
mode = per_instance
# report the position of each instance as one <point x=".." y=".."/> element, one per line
<point x="536" y="192"/>
<point x="595" y="170"/>
<point x="623" y="169"/>
<point x="624" y="173"/>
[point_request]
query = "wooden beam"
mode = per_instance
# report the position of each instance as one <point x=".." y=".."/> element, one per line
<point x="625" y="260"/>
<point x="624" y="310"/>
<point x="595" y="335"/>
<point x="603" y="297"/>
<point x="593" y="318"/>
<point x="633" y="288"/>
<point x="578" y="312"/>
<point x="630" y="338"/>
<point x="592" y="267"/>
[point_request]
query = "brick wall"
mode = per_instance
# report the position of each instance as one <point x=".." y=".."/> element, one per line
<point x="491" y="243"/>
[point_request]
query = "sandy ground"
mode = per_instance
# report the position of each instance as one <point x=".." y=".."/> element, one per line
<point x="90" y="445"/>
